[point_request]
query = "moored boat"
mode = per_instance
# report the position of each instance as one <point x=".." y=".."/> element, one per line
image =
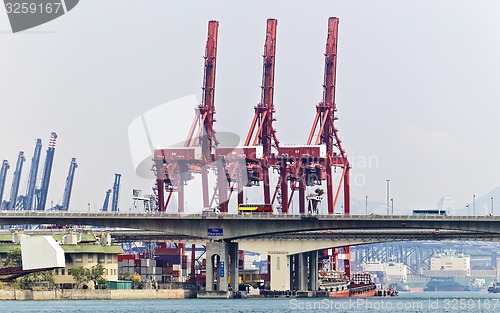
<point x="361" y="285"/>
<point x="495" y="287"/>
<point x="476" y="284"/>
<point x="335" y="283"/>
<point x="339" y="286"/>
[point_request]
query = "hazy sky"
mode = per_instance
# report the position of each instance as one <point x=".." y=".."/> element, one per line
<point x="417" y="88"/>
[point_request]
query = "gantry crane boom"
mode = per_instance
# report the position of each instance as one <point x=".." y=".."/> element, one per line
<point x="116" y="191"/>
<point x="106" y="201"/>
<point x="16" y="180"/>
<point x="47" y="170"/>
<point x="325" y="120"/>
<point x="3" y="178"/>
<point x="262" y="123"/>
<point x="69" y="184"/>
<point x="207" y="139"/>
<point x="172" y="174"/>
<point x="328" y="134"/>
<point x="30" y="191"/>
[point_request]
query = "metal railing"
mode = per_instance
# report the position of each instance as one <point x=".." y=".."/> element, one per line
<point x="237" y="216"/>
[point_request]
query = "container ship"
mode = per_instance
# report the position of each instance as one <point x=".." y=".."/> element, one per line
<point x="392" y="274"/>
<point x="447" y="283"/>
<point x="450" y="271"/>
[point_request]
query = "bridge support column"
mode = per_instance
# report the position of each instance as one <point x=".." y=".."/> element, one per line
<point x="233" y="266"/>
<point x="302" y="271"/>
<point x="217" y="265"/>
<point x="280" y="272"/>
<point x="313" y="270"/>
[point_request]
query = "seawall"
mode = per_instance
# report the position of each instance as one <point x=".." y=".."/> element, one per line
<point x="105" y="294"/>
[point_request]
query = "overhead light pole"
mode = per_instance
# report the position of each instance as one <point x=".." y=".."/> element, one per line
<point x="366" y="204"/>
<point x="388" y="182"/>
<point x="491" y="205"/>
<point x="474" y="204"/>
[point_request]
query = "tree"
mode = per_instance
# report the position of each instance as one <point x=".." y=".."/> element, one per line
<point x="96" y="274"/>
<point x="80" y="275"/>
<point x="134" y="277"/>
<point x="13" y="258"/>
<point x="32" y="280"/>
<point x="126" y="276"/>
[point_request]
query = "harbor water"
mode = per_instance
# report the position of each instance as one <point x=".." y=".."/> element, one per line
<point x="416" y="302"/>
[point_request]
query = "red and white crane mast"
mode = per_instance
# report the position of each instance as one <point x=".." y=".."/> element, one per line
<point x="174" y="165"/>
<point x="206" y="111"/>
<point x="265" y="134"/>
<point x="328" y="133"/>
<point x="325" y="120"/>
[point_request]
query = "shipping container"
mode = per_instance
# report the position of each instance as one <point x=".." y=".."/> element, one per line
<point x="122" y="257"/>
<point x="173" y="259"/>
<point x="167" y="251"/>
<point x="120" y="284"/>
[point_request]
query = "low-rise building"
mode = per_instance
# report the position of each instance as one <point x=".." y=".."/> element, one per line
<point x="80" y="249"/>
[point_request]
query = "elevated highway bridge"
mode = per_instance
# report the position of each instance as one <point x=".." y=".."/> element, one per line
<point x="233" y="226"/>
<point x="285" y="238"/>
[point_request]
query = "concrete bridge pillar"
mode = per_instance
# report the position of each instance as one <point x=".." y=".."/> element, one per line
<point x="302" y="271"/>
<point x="280" y="272"/>
<point x="233" y="265"/>
<point x="313" y="270"/>
<point x="221" y="256"/>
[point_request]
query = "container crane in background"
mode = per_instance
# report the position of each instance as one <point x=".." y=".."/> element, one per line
<point x="30" y="191"/>
<point x="3" y="180"/>
<point x="41" y="194"/>
<point x="69" y="184"/>
<point x="105" y="205"/>
<point x="116" y="191"/>
<point x="174" y="165"/>
<point x="15" y="181"/>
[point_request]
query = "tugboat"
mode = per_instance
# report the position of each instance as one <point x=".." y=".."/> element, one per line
<point x="476" y="284"/>
<point x="495" y="287"/>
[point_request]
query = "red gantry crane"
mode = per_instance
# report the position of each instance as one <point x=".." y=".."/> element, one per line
<point x="265" y="135"/>
<point x="328" y="135"/>
<point x="249" y="165"/>
<point x="325" y="120"/>
<point x="175" y="165"/>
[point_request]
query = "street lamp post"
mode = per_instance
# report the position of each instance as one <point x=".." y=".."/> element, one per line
<point x="366" y="205"/>
<point x="468" y="209"/>
<point x="491" y="205"/>
<point x="474" y="204"/>
<point x="388" y="181"/>
<point x="392" y="206"/>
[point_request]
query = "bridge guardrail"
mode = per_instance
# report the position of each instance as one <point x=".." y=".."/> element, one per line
<point x="236" y="216"/>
